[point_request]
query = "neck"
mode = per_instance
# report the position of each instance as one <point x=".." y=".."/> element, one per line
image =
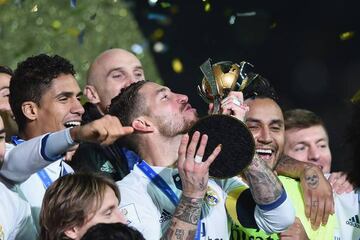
<point x="28" y="134"/>
<point x="160" y="151"/>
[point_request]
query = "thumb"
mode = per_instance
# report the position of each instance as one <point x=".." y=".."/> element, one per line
<point x="127" y="130"/>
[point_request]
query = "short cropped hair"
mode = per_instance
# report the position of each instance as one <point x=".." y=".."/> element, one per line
<point x="32" y="78"/>
<point x="301" y="118"/>
<point x="112" y="231"/>
<point x="126" y="106"/>
<point x="71" y="201"/>
<point x="6" y="70"/>
<point x="259" y="87"/>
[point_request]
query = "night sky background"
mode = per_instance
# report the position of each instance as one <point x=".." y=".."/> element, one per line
<point x="309" y="50"/>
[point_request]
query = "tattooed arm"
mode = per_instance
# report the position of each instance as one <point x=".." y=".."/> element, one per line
<point x="194" y="179"/>
<point x="184" y="222"/>
<point x="317" y="191"/>
<point x="264" y="185"/>
<point x="273" y="212"/>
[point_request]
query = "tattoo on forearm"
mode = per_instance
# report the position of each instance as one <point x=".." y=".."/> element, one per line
<point x="264" y="185"/>
<point x="189" y="210"/>
<point x="185" y="219"/>
<point x="289" y="167"/>
<point x="202" y="184"/>
<point x="179" y="233"/>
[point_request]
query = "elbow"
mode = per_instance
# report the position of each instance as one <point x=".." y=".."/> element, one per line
<point x="276" y="219"/>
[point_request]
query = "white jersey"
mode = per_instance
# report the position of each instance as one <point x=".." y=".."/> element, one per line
<point x="15" y="216"/>
<point x="347" y="213"/>
<point x="41" y="153"/>
<point x="150" y="211"/>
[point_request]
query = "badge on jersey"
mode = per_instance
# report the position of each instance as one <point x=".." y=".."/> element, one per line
<point x="211" y="197"/>
<point x="130" y="213"/>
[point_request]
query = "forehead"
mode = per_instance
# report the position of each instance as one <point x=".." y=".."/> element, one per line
<point x="64" y="83"/>
<point x="118" y="59"/>
<point x="265" y="110"/>
<point x="150" y="90"/>
<point x="4" y="79"/>
<point x="313" y="133"/>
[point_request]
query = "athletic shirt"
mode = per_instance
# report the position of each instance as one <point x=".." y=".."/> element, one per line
<point x="240" y="231"/>
<point x="15" y="216"/>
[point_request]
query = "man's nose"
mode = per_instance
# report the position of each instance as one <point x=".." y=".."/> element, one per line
<point x="182" y="98"/>
<point x="264" y="136"/>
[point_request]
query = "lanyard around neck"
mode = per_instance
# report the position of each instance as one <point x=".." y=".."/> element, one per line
<point x="165" y="188"/>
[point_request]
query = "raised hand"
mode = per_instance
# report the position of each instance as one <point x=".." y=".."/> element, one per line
<point x="194" y="175"/>
<point x="193" y="171"/>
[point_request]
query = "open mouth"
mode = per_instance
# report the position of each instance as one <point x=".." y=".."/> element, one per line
<point x="72" y="123"/>
<point x="265" y="154"/>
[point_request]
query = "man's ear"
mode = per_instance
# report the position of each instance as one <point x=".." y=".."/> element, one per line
<point x="72" y="233"/>
<point x="91" y="94"/>
<point x="30" y="110"/>
<point x="142" y="124"/>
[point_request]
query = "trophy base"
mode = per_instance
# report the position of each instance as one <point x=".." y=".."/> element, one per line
<point x="238" y="146"/>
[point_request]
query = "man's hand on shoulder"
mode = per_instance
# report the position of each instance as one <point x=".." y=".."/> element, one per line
<point x="318" y="198"/>
<point x="340" y="183"/>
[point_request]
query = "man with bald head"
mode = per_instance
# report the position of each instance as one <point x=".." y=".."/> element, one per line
<point x="111" y="71"/>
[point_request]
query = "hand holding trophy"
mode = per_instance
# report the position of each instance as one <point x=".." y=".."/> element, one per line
<point x="238" y="145"/>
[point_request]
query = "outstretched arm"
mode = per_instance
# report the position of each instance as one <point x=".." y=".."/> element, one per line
<point x="194" y="175"/>
<point x="43" y="150"/>
<point x="317" y="192"/>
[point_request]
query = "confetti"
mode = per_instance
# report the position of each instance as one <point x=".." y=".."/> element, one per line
<point x="177" y="65"/>
<point x="34" y="8"/>
<point x="346" y="35"/>
<point x="81" y="37"/>
<point x="56" y="24"/>
<point x="73" y="3"/>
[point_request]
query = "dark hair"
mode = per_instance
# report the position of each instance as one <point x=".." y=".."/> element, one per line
<point x="126" y="106"/>
<point x="112" y="231"/>
<point x="32" y="78"/>
<point x="301" y="118"/>
<point x="7" y="70"/>
<point x="259" y="87"/>
<point x="70" y="201"/>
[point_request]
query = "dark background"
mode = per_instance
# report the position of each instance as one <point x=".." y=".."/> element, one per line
<point x="300" y="46"/>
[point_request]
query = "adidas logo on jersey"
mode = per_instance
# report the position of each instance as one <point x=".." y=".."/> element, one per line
<point x="165" y="215"/>
<point x="107" y="167"/>
<point x="354" y="221"/>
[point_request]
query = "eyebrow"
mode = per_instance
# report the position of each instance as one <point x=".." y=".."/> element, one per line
<point x="108" y="208"/>
<point x="275" y="121"/>
<point x="113" y="69"/>
<point x="121" y="68"/>
<point x="2" y="130"/>
<point x="5" y="87"/>
<point x="161" y="90"/>
<point x="69" y="94"/>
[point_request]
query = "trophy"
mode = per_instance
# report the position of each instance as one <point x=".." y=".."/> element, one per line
<point x="238" y="146"/>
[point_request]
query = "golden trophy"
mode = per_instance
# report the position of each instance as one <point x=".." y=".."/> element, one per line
<point x="238" y="147"/>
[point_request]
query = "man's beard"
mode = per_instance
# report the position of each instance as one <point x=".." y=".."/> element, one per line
<point x="171" y="129"/>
